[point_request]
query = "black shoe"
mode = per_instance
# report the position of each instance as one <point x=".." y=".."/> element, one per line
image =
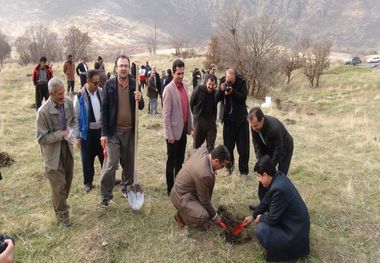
<point x="253" y="207"/>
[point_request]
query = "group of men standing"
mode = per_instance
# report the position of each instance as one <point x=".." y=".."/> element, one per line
<point x="102" y="123"/>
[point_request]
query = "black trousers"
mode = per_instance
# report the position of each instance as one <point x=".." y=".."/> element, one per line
<point x="205" y="129"/>
<point x="42" y="92"/>
<point x="83" y="80"/>
<point x="70" y="85"/>
<point x="283" y="166"/>
<point x="89" y="149"/>
<point x="176" y="156"/>
<point x="237" y="134"/>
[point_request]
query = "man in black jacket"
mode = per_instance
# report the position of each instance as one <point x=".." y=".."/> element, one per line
<point x="118" y="128"/>
<point x="270" y="137"/>
<point x="81" y="70"/>
<point x="203" y="107"/>
<point x="283" y="223"/>
<point x="233" y="94"/>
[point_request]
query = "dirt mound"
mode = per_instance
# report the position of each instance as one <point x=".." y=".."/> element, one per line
<point x="5" y="159"/>
<point x="231" y="222"/>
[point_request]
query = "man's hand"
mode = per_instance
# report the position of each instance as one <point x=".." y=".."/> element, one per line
<point x="227" y="93"/>
<point x="257" y="220"/>
<point x="104" y="141"/>
<point x="248" y="220"/>
<point x="138" y="96"/>
<point x="7" y="255"/>
<point x="65" y="133"/>
<point x="223" y="87"/>
<point x="171" y="141"/>
<point x="219" y="222"/>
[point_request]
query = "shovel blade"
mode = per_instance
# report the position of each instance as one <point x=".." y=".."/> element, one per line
<point x="238" y="229"/>
<point x="135" y="199"/>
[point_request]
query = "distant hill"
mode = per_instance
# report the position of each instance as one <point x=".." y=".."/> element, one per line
<point x="352" y="24"/>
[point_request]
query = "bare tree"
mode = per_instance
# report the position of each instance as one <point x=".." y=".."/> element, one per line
<point x="213" y="53"/>
<point x="317" y="60"/>
<point x="178" y="44"/>
<point x="76" y="42"/>
<point x="38" y="41"/>
<point x="291" y="59"/>
<point x="250" y="45"/>
<point x="5" y="49"/>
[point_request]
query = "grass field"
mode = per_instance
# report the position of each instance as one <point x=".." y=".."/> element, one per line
<point x="336" y="167"/>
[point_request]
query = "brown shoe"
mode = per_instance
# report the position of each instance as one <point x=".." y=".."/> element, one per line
<point x="179" y="220"/>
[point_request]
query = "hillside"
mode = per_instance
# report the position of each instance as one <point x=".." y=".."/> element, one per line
<point x="335" y="167"/>
<point x="352" y="24"/>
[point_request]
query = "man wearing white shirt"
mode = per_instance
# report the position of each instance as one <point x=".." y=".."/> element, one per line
<point x="81" y="70"/>
<point x="87" y="105"/>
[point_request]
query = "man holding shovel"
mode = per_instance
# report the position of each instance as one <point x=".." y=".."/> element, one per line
<point x="194" y="184"/>
<point x="118" y="129"/>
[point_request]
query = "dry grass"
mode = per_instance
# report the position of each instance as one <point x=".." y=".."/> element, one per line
<point x="335" y="167"/>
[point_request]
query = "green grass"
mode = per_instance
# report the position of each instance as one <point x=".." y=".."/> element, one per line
<point x="335" y="166"/>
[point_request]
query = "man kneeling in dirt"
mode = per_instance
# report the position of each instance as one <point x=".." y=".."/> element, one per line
<point x="282" y="218"/>
<point x="194" y="184"/>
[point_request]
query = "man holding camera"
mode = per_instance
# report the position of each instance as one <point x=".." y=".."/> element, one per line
<point x="233" y="94"/>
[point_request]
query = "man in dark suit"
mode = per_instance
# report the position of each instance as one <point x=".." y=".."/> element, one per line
<point x="270" y="137"/>
<point x="81" y="70"/>
<point x="118" y="129"/>
<point x="194" y="184"/>
<point x="233" y="93"/>
<point x="283" y="223"/>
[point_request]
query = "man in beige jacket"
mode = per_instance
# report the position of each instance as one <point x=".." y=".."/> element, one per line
<point x="194" y="184"/>
<point x="54" y="124"/>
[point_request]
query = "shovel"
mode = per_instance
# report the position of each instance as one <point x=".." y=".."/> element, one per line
<point x="135" y="192"/>
<point x="238" y="229"/>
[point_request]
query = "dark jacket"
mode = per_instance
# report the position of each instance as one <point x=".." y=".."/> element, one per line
<point x="235" y="108"/>
<point x="169" y="79"/>
<point x="152" y="91"/>
<point x="203" y="104"/>
<point x="110" y="105"/>
<point x="158" y="83"/>
<point x="278" y="142"/>
<point x="36" y="73"/>
<point x="287" y="220"/>
<point x="81" y="69"/>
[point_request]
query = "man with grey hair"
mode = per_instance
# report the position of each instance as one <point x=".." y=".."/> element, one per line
<point x="54" y="125"/>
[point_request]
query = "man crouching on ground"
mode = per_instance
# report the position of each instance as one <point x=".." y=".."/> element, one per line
<point x="194" y="184"/>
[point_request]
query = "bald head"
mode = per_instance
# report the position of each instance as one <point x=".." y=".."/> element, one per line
<point x="230" y="75"/>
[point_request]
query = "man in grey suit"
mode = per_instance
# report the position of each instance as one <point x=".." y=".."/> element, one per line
<point x="54" y="124"/>
<point x="192" y="191"/>
<point x="177" y="122"/>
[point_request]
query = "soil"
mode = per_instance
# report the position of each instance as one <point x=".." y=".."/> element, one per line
<point x="231" y="222"/>
<point x="5" y="159"/>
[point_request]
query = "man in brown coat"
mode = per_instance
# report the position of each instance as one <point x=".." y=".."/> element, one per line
<point x="69" y="70"/>
<point x="194" y="184"/>
<point x="54" y="124"/>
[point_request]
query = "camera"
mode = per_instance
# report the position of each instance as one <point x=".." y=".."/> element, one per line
<point x="228" y="85"/>
<point x="3" y="245"/>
